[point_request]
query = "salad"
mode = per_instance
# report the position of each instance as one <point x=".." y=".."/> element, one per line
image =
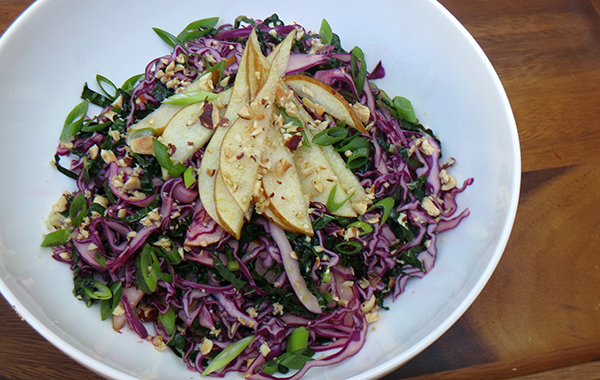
<point x="252" y="200"/>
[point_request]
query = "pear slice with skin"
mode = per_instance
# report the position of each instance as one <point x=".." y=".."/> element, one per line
<point x="209" y="165"/>
<point x="158" y="119"/>
<point x="324" y="95"/>
<point x="282" y="186"/>
<point x="186" y="132"/>
<point x="242" y="146"/>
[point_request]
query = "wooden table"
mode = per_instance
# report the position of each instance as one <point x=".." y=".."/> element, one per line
<point x="541" y="309"/>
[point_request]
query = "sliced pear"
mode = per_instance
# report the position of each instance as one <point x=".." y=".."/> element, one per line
<point x="282" y="186"/>
<point x="186" y="132"/>
<point x="210" y="160"/>
<point x="242" y="146"/>
<point x="324" y="95"/>
<point x="157" y="120"/>
<point x="229" y="216"/>
<point x="360" y="200"/>
<point x="240" y="154"/>
<point x="318" y="179"/>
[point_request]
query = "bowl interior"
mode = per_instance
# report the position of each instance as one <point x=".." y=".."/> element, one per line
<point x="57" y="45"/>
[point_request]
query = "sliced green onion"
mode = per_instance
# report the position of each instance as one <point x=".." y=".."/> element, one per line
<point x="364" y="227"/>
<point x="332" y="205"/>
<point x="353" y="143"/>
<point x="298" y="341"/>
<point x="349" y="247"/>
<point x="232" y="265"/>
<point x="100" y="291"/>
<point x="162" y="156"/>
<point x="142" y="132"/>
<point x="326" y="278"/>
<point x="294" y="361"/>
<point x="189" y="177"/>
<point x="330" y="136"/>
<point x="358" y="74"/>
<point x="108" y="306"/>
<point x="197" y="29"/>
<point x="173" y="256"/>
<point x="74" y="121"/>
<point x="169" y="39"/>
<point x="130" y="83"/>
<point x="359" y="157"/>
<point x="56" y="238"/>
<point x="191" y="97"/>
<point x="78" y="209"/>
<point x="227" y="355"/>
<point x="325" y="33"/>
<point x="89" y="127"/>
<point x="111" y="92"/>
<point x="405" y="109"/>
<point x="168" y="320"/>
<point x="387" y="204"/>
<point x="148" y="268"/>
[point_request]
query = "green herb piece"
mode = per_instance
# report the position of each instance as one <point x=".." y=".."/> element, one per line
<point x="330" y="136"/>
<point x="358" y="158"/>
<point x="227" y="274"/>
<point x="78" y="209"/>
<point x="405" y="109"/>
<point x="107" y="306"/>
<point x="298" y="341"/>
<point x="364" y="227"/>
<point x="321" y="222"/>
<point x="353" y="143"/>
<point x="349" y="247"/>
<point x="63" y="170"/>
<point x="168" y="320"/>
<point x="227" y="355"/>
<point x="197" y="29"/>
<point x="162" y="156"/>
<point x="98" y="291"/>
<point x="297" y="122"/>
<point x="358" y="68"/>
<point x="74" y="121"/>
<point x="95" y="97"/>
<point x="387" y="204"/>
<point x="191" y="97"/>
<point x="56" y="238"/>
<point x="169" y="39"/>
<point x="332" y="205"/>
<point x="189" y="177"/>
<point x="325" y="33"/>
<point x="294" y="361"/>
<point x="417" y="187"/>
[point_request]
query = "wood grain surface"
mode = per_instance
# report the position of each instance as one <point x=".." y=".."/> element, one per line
<point x="539" y="315"/>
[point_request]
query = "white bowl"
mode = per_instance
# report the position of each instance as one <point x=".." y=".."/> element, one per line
<point x="57" y="45"/>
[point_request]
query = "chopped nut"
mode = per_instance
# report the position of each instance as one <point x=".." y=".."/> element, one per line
<point x="366" y="306"/>
<point x="108" y="156"/>
<point x="206" y="346"/>
<point x="264" y="349"/>
<point x="143" y="145"/>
